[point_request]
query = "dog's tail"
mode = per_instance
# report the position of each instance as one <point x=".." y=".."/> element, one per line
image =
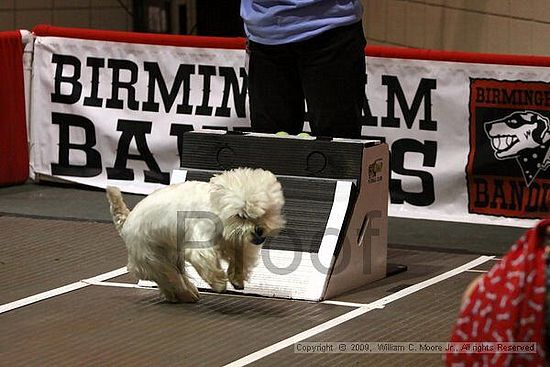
<point x="118" y="208"/>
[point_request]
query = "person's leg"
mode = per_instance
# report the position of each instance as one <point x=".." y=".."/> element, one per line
<point x="333" y="72"/>
<point x="274" y="90"/>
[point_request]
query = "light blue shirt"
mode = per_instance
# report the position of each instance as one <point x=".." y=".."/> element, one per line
<point x="273" y="22"/>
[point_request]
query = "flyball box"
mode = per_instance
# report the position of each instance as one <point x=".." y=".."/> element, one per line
<point x="336" y="204"/>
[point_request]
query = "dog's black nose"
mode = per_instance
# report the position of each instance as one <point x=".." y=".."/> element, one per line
<point x="258" y="236"/>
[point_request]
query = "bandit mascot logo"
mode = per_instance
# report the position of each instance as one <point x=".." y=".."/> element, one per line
<point x="508" y="165"/>
<point x="524" y="136"/>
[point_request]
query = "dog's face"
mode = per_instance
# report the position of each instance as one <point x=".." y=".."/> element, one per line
<point x="249" y="203"/>
<point x="516" y="132"/>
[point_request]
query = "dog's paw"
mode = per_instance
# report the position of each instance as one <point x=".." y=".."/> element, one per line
<point x="217" y="280"/>
<point x="235" y="278"/>
<point x="219" y="286"/>
<point x="193" y="295"/>
<point x="188" y="297"/>
<point x="237" y="283"/>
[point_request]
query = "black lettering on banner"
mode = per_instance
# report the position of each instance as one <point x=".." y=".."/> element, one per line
<point x="533" y="198"/>
<point x="368" y="118"/>
<point x="239" y="95"/>
<point x="498" y="195"/>
<point x="398" y="150"/>
<point x="480" y="95"/>
<point x="92" y="167"/>
<point x="61" y="62"/>
<point x="482" y="195"/>
<point x="517" y="189"/>
<point x="93" y="100"/>
<point x="178" y="130"/>
<point x="135" y="129"/>
<point x="117" y="84"/>
<point x="125" y="74"/>
<point x="510" y="195"/>
<point x="183" y="76"/>
<point x="423" y="93"/>
<point x="544" y="197"/>
<point x="206" y="71"/>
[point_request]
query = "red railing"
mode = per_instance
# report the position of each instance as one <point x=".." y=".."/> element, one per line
<point x="14" y="156"/>
<point x="239" y="43"/>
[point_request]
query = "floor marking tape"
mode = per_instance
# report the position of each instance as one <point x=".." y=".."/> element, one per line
<point x="61" y="290"/>
<point x="117" y="285"/>
<point x="355" y="313"/>
<point x="344" y="303"/>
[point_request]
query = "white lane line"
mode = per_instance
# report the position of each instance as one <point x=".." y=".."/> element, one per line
<point x="476" y="271"/>
<point x="61" y="290"/>
<point x="155" y="288"/>
<point x="116" y="284"/>
<point x="355" y="313"/>
<point x="344" y="303"/>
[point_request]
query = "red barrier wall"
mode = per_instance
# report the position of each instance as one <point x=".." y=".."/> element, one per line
<point x="239" y="43"/>
<point x="14" y="156"/>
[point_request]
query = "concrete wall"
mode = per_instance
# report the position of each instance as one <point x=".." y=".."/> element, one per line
<point x="97" y="14"/>
<point x="496" y="26"/>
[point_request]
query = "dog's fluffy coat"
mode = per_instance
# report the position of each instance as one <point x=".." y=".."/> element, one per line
<point x="223" y="219"/>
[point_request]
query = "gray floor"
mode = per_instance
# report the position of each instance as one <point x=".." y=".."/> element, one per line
<point x="78" y="203"/>
<point x="54" y="236"/>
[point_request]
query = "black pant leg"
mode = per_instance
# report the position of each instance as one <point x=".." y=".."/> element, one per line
<point x="274" y="89"/>
<point x="333" y="72"/>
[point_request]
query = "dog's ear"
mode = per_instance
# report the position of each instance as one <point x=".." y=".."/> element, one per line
<point x="252" y="210"/>
<point x="541" y="127"/>
<point x="230" y="202"/>
<point x="217" y="192"/>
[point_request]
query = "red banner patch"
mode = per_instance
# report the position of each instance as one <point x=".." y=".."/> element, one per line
<point x="509" y="157"/>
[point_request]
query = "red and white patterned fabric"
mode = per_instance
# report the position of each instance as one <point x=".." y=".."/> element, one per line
<point x="507" y="305"/>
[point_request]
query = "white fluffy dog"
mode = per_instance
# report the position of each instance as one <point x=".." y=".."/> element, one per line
<point x="200" y="223"/>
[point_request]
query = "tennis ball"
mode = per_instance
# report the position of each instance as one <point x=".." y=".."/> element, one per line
<point x="282" y="133"/>
<point x="303" y="135"/>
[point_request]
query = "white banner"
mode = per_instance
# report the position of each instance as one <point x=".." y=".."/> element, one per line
<point x="112" y="112"/>
<point x="468" y="141"/>
<point x="435" y="116"/>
